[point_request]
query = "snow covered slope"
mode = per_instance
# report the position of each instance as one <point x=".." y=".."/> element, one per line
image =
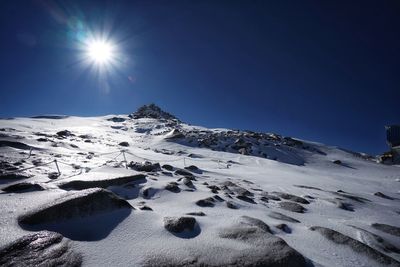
<point x="173" y="194"/>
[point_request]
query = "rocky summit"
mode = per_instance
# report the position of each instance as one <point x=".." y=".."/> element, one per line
<point x="147" y="189"/>
<point x="152" y="111"/>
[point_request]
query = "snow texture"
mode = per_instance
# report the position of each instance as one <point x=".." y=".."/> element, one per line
<point x="253" y="199"/>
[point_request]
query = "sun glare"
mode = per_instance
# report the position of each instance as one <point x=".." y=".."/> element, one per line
<point x="100" y="52"/>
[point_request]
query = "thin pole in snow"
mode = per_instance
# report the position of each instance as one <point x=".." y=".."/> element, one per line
<point x="58" y="169"/>
<point x="126" y="163"/>
<point x="30" y="153"/>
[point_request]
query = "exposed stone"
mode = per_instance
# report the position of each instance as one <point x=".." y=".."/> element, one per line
<point x="116" y="119"/>
<point x="292" y="197"/>
<point x="152" y="111"/>
<point x="377" y="241"/>
<point x="14" y="176"/>
<point x="283" y="217"/>
<point x="343" y="205"/>
<point x="291" y="206"/>
<point x="207" y="202"/>
<point x="218" y="198"/>
<point x="351" y="196"/>
<point x="179" y="224"/>
<point x="197" y="213"/>
<point x="188" y="182"/>
<point x="145" y="166"/>
<point x="124" y="143"/>
<point x="144" y="207"/>
<point x="80" y="185"/>
<point x="382" y="195"/>
<point x="232" y="205"/>
<point x="183" y="173"/>
<point x="167" y="167"/>
<point x="40" y="249"/>
<point x="77" y="204"/>
<point x="246" y="198"/>
<point x="308" y="187"/>
<point x="355" y="245"/>
<point x="284" y="227"/>
<point x="23" y="187"/>
<point x="270" y="197"/>
<point x="148" y="192"/>
<point x="64" y="133"/>
<point x="390" y="229"/>
<point x="173" y="187"/>
<point x="192" y="168"/>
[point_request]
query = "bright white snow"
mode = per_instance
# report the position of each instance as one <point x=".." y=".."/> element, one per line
<point x="142" y="234"/>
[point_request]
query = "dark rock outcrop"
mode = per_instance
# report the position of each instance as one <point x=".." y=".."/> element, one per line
<point x="23" y="187"/>
<point x="390" y="229"/>
<point x="292" y="197"/>
<point x="196" y="213"/>
<point x="167" y="167"/>
<point x="64" y="133"/>
<point x="232" y="205"/>
<point x="377" y="241"/>
<point x="80" y="184"/>
<point x="261" y="249"/>
<point x="382" y="195"/>
<point x="292" y="206"/>
<point x="355" y="245"/>
<point x="72" y="205"/>
<point x="116" y="119"/>
<point x="207" y="202"/>
<point x="40" y="249"/>
<point x="173" y="187"/>
<point x="124" y="144"/>
<point x="152" y="111"/>
<point x="266" y="249"/>
<point x="183" y="173"/>
<point x="246" y="199"/>
<point x="284" y="227"/>
<point x="283" y="217"/>
<point x="145" y="166"/>
<point x="179" y="224"/>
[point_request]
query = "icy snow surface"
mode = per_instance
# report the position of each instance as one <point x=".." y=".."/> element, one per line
<point x="245" y="168"/>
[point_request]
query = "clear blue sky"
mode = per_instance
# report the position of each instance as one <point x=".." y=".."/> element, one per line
<point x="325" y="71"/>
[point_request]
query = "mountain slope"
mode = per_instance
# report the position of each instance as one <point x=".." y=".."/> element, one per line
<point x="266" y="199"/>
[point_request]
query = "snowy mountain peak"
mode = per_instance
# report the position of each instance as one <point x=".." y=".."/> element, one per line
<point x="152" y="111"/>
<point x="92" y="188"/>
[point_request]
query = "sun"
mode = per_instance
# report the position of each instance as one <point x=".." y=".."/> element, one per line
<point x="100" y="52"/>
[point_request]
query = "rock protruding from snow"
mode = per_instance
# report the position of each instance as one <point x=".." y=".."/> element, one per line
<point x="292" y="206"/>
<point x="283" y="217"/>
<point x="266" y="249"/>
<point x="78" y="204"/>
<point x="174" y="134"/>
<point x="355" y="245"/>
<point x="292" y="197"/>
<point x="255" y="246"/>
<point x="40" y="249"/>
<point x="207" y="202"/>
<point x="152" y="111"/>
<point x="179" y="224"/>
<point x="86" y="184"/>
<point x="145" y="166"/>
<point x="23" y="187"/>
<point x="390" y="229"/>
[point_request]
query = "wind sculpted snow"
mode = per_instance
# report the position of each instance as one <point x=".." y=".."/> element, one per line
<point x="186" y="195"/>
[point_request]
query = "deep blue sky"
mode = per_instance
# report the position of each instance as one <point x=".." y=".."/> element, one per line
<point x="325" y="71"/>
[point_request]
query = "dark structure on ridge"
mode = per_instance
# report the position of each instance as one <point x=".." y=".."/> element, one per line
<point x="154" y="112"/>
